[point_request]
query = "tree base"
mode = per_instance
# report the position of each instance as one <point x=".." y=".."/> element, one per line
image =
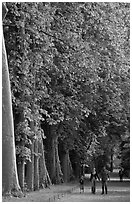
<point x="13" y="193"/>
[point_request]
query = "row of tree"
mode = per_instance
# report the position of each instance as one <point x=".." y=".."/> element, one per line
<point x="69" y="73"/>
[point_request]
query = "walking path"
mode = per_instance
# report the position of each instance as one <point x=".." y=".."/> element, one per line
<point x="117" y="192"/>
<point x="70" y="192"/>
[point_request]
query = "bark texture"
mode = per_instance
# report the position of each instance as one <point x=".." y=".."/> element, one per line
<point x="30" y="164"/>
<point x="30" y="170"/>
<point x="66" y="166"/>
<point x="21" y="174"/>
<point x="9" y="171"/>
<point x="44" y="179"/>
<point x="52" y="156"/>
<point x="36" y="166"/>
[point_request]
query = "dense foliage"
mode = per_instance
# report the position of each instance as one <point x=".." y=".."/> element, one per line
<point x="69" y="67"/>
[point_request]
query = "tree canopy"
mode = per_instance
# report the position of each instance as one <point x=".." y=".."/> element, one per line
<point x="69" y="68"/>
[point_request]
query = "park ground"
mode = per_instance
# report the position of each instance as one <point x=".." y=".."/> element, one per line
<point x="70" y="192"/>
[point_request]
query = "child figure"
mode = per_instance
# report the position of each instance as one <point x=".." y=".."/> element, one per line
<point x="81" y="181"/>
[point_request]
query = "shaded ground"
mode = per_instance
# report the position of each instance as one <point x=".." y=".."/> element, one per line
<point x="45" y="195"/>
<point x="117" y="192"/>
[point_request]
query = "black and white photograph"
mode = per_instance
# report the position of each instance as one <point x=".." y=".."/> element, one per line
<point x="65" y="101"/>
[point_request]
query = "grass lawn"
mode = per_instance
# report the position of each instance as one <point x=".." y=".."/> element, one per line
<point x="117" y="192"/>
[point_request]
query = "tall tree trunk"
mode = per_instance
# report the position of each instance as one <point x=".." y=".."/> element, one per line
<point x="58" y="175"/>
<point x="111" y="160"/>
<point x="75" y="160"/>
<point x="44" y="179"/>
<point x="53" y="161"/>
<point x="36" y="165"/>
<point x="66" y="165"/>
<point x="30" y="169"/>
<point x="30" y="165"/>
<point x="21" y="173"/>
<point x="9" y="170"/>
<point x="21" y="161"/>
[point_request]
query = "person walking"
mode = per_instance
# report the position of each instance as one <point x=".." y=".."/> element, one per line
<point x="104" y="177"/>
<point x="93" y="179"/>
<point x="81" y="182"/>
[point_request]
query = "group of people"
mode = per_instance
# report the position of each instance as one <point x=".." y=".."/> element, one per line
<point x="104" y="176"/>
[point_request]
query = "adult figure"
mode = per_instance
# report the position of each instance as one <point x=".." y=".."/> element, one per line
<point x="104" y="174"/>
<point x="94" y="176"/>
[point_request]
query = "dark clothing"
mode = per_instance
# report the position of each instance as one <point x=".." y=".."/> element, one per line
<point x="93" y="179"/>
<point x="104" y="177"/>
<point x="94" y="176"/>
<point x="93" y="187"/>
<point x="104" y="187"/>
<point x="81" y="181"/>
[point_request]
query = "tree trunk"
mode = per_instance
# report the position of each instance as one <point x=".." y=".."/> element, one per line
<point x="75" y="163"/>
<point x="30" y="165"/>
<point x="9" y="170"/>
<point x="111" y="160"/>
<point x="36" y="166"/>
<point x="58" y="175"/>
<point x="66" y="166"/>
<point x="44" y="179"/>
<point x="21" y="174"/>
<point x="30" y="170"/>
<point x="21" y="161"/>
<point x="53" y="162"/>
